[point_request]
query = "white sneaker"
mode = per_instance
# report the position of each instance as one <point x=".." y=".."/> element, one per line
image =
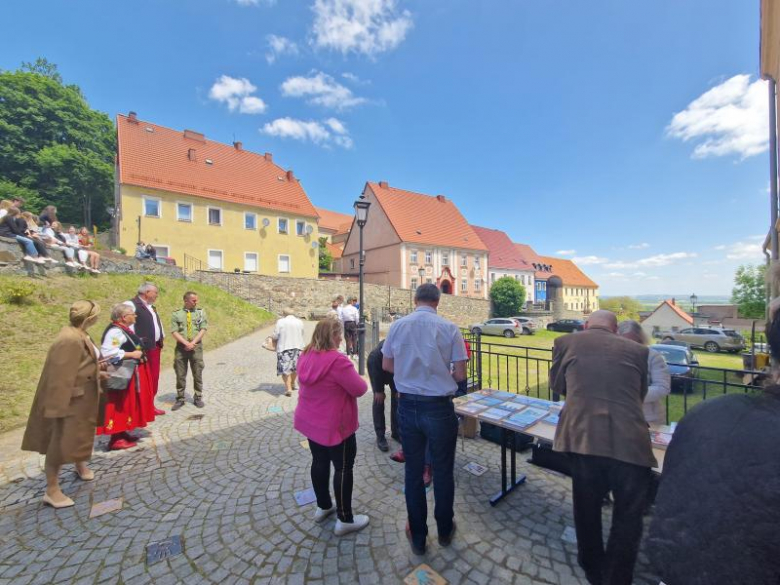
<point x="359" y="522"/>
<point x="28" y="259"/>
<point x="51" y="260"/>
<point x="71" y="264"/>
<point x="321" y="515"/>
<point x="39" y="260"/>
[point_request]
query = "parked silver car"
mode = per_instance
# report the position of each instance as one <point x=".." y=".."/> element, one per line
<point x="529" y="325"/>
<point x="709" y="338"/>
<point x="507" y="327"/>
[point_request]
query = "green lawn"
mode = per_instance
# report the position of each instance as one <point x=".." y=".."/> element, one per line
<point x="522" y="364"/>
<point x="26" y="330"/>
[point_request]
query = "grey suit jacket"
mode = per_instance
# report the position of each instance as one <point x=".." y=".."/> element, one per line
<point x="604" y="379"/>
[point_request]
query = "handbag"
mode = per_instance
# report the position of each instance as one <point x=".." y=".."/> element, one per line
<point x="269" y="344"/>
<point x="119" y="376"/>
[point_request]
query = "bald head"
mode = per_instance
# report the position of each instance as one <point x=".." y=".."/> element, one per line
<point x="602" y="319"/>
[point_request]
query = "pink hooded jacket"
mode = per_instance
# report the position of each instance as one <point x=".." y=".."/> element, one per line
<point x="327" y="402"/>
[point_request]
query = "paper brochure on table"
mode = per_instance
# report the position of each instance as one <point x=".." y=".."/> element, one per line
<point x="472" y="407"/>
<point x="494" y="414"/>
<point x="490" y="401"/>
<point x="525" y="418"/>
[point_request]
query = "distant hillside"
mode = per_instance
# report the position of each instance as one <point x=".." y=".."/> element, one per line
<point x="27" y="330"/>
<point x="683" y="300"/>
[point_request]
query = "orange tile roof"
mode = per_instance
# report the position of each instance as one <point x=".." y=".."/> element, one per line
<point x="157" y="157"/>
<point x="688" y="319"/>
<point x="527" y="254"/>
<point x="426" y="219"/>
<point x="502" y="253"/>
<point x="345" y="227"/>
<point x="567" y="271"/>
<point x="332" y="220"/>
<point x="336" y="250"/>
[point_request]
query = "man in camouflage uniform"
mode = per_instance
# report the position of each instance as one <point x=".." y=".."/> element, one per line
<point x="188" y="326"/>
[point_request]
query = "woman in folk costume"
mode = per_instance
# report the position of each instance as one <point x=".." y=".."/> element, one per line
<point x="132" y="407"/>
<point x="66" y="407"/>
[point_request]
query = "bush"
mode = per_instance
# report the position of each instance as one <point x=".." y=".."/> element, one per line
<point x="507" y="296"/>
<point x="18" y="293"/>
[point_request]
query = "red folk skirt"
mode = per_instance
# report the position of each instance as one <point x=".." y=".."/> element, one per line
<point x="132" y="408"/>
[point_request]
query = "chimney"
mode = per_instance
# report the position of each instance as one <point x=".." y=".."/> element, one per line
<point x="383" y="185"/>
<point x="269" y="157"/>
<point x="673" y="301"/>
<point x="191" y="134"/>
<point x="132" y="117"/>
<point x="441" y="198"/>
<point x="191" y="154"/>
<point x="238" y="146"/>
<point x="290" y="176"/>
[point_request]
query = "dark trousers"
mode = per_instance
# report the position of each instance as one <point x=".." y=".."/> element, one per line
<point x="351" y="337"/>
<point x="194" y="359"/>
<point x="378" y="409"/>
<point x="430" y="423"/>
<point x="342" y="456"/>
<point x="592" y="479"/>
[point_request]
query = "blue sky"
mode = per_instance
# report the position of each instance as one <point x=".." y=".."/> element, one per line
<point x="630" y="136"/>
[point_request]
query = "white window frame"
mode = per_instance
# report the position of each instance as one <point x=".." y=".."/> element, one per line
<point x="302" y="224"/>
<point x="209" y="209"/>
<point x="413" y="257"/>
<point x="351" y="263"/>
<point x="464" y="260"/>
<point x="279" y="221"/>
<point x="445" y="258"/>
<point x="413" y="283"/>
<point x="257" y="261"/>
<point x="250" y="214"/>
<point x="167" y="247"/>
<point x="192" y="211"/>
<point x="159" y="206"/>
<point x="477" y="285"/>
<point x="221" y="259"/>
<point x="279" y="264"/>
<point x="428" y="257"/>
<point x="464" y="285"/>
<point x="477" y="263"/>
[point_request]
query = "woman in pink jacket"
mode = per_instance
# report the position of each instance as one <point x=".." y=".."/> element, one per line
<point x="327" y="415"/>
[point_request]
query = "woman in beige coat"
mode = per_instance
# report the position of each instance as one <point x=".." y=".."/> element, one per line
<point x="66" y="407"/>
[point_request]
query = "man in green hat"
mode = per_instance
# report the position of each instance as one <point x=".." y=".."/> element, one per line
<point x="188" y="326"/>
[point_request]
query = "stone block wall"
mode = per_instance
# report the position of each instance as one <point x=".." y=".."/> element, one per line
<point x="309" y="297"/>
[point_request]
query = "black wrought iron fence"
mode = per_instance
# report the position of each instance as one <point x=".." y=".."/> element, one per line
<point x="526" y="370"/>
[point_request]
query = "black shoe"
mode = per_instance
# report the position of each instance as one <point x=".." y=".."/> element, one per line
<point x="178" y="404"/>
<point x="447" y="540"/>
<point x="381" y="442"/>
<point x="199" y="402"/>
<point x="419" y="551"/>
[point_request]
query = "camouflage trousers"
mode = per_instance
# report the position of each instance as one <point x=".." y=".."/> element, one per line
<point x="194" y="359"/>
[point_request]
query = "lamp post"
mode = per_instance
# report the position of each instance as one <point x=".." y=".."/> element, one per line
<point x="694" y="298"/>
<point x="361" y="215"/>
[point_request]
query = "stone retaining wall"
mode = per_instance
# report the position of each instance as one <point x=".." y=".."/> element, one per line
<point x="313" y="297"/>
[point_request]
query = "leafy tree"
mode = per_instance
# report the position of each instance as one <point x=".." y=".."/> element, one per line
<point x="507" y="296"/>
<point x="624" y="307"/>
<point x="326" y="258"/>
<point x="749" y="291"/>
<point x="55" y="148"/>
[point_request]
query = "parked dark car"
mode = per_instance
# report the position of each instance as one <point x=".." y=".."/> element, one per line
<point x="567" y="325"/>
<point x="682" y="365"/>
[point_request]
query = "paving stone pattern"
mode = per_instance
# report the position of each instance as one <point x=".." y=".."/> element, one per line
<point x="225" y="484"/>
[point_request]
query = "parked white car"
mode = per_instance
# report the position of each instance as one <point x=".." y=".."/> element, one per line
<point x="507" y="327"/>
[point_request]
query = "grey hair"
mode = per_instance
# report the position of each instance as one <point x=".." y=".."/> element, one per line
<point x="146" y="287"/>
<point x="120" y="310"/>
<point x="427" y="293"/>
<point x="287" y="311"/>
<point x="632" y="330"/>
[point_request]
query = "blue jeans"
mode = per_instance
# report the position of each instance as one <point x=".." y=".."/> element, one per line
<point x="432" y="424"/>
<point x="27" y="244"/>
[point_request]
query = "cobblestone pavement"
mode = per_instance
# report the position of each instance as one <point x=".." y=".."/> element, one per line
<point x="225" y="483"/>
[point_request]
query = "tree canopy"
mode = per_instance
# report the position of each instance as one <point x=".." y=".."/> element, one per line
<point x="326" y="258"/>
<point x="508" y="297"/>
<point x="749" y="292"/>
<point x="624" y="307"/>
<point x="55" y="150"/>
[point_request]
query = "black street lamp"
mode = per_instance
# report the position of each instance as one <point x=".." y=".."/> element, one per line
<point x="694" y="298"/>
<point x="421" y="272"/>
<point x="361" y="215"/>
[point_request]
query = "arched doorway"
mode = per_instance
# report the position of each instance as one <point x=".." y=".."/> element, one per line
<point x="446" y="287"/>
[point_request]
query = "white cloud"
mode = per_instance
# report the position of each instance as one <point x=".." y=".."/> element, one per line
<point x="361" y="26"/>
<point x="743" y="250"/>
<point x="354" y="79"/>
<point x="729" y="119"/>
<point x="642" y="246"/>
<point x="652" y="261"/>
<point x="325" y="133"/>
<point x="566" y="252"/>
<point x="278" y="46"/>
<point x="236" y="93"/>
<point x="321" y="89"/>
<point x="589" y="260"/>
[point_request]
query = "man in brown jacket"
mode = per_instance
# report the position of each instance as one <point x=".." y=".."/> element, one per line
<point x="602" y="428"/>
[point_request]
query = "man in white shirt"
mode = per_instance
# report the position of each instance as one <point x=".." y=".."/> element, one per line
<point x="349" y="319"/>
<point x="149" y="328"/>
<point x="420" y="350"/>
<point x="289" y="343"/>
